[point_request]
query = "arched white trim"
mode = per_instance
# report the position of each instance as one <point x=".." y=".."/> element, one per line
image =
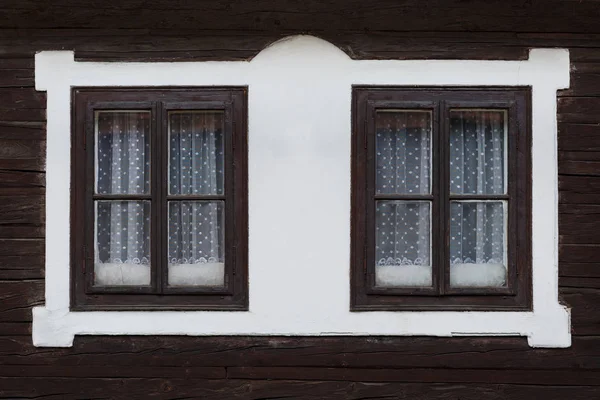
<point x="299" y="193"/>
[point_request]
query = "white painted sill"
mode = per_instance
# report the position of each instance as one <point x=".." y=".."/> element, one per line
<point x="207" y="274"/>
<point x="299" y="127"/>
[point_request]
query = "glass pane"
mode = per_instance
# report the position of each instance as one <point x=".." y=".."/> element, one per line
<point x="477" y="244"/>
<point x="122" y="152"/>
<point x="403" y="152"/>
<point x="196" y="243"/>
<point x="122" y="243"/>
<point x="477" y="151"/>
<point x="196" y="152"/>
<point x="403" y="243"/>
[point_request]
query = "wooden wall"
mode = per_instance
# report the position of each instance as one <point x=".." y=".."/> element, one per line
<point x="311" y="368"/>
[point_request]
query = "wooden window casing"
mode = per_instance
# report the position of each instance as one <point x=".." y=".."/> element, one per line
<point x="516" y="294"/>
<point x="233" y="295"/>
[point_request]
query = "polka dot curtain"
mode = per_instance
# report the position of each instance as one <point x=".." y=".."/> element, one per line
<point x="123" y="167"/>
<point x="195" y="227"/>
<point x="196" y="168"/>
<point x="477" y="166"/>
<point x="403" y="167"/>
<point x="403" y="228"/>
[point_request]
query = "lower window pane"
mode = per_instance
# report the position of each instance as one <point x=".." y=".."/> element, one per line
<point x="477" y="244"/>
<point x="403" y="244"/>
<point x="122" y="240"/>
<point x="196" y="243"/>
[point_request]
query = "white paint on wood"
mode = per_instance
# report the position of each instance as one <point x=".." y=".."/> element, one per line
<point x="299" y="193"/>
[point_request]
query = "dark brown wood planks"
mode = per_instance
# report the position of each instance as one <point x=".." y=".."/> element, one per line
<point x="337" y="368"/>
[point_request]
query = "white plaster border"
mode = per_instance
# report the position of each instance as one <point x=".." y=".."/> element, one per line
<point x="299" y="147"/>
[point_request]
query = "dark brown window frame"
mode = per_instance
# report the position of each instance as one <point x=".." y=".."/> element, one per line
<point x="158" y="296"/>
<point x="365" y="295"/>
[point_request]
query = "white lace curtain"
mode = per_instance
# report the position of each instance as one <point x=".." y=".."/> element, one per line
<point x="477" y="167"/>
<point x="123" y="167"/>
<point x="403" y="167"/>
<point x="195" y="228"/>
<point x="195" y="167"/>
<point x="403" y="228"/>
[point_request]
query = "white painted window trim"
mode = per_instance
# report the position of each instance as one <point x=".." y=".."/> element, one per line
<point x="299" y="159"/>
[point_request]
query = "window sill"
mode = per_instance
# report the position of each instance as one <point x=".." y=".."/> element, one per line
<point x="546" y="328"/>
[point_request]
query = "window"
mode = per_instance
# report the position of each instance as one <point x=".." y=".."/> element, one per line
<point x="441" y="199"/>
<point x="159" y="200"/>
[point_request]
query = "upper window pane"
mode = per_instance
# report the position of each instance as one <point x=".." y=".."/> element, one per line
<point x="122" y="152"/>
<point x="196" y="152"/>
<point x="403" y="152"/>
<point x="477" y="151"/>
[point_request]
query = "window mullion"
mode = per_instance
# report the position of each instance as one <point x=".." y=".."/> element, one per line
<point x="442" y="219"/>
<point x="159" y="198"/>
<point x="435" y="206"/>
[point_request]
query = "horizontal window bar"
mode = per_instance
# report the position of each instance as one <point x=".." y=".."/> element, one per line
<point x="122" y="197"/>
<point x="195" y="197"/>
<point x="403" y="197"/>
<point x="479" y="197"/>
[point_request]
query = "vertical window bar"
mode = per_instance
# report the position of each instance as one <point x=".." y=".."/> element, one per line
<point x="437" y="203"/>
<point x="158" y="197"/>
<point x="443" y="198"/>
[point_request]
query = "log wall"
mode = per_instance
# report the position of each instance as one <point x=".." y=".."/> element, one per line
<point x="311" y="368"/>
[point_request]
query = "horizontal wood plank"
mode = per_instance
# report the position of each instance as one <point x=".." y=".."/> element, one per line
<point x="579" y="253"/>
<point x="584" y="82"/>
<point x="113" y="372"/>
<point x="322" y="352"/>
<point x="583" y="270"/>
<point x="21" y="267"/>
<point x="580" y="228"/>
<point x="20" y="231"/>
<point x="22" y="210"/>
<point x="21" y="247"/>
<point x="585" y="309"/>
<point x="22" y="114"/>
<point x="16" y="63"/>
<point x="33" y="164"/>
<point x="536" y="16"/>
<point x="127" y="389"/>
<point x="580" y="110"/>
<point x="22" y="179"/>
<point x="79" y="371"/>
<point x="578" y="137"/>
<point x="22" y="98"/>
<point x="577" y="282"/>
<point x="18" y="297"/>
<point x="15" y="328"/>
<point x="579" y="189"/>
<point x="16" y="78"/>
<point x="555" y="377"/>
<point x="23" y="130"/>
<point x="21" y="217"/>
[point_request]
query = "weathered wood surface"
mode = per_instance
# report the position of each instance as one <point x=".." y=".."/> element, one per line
<point x="327" y="352"/>
<point x="162" y="389"/>
<point x="333" y="15"/>
<point x="311" y="368"/>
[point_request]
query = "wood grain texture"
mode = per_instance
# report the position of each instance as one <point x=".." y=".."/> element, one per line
<point x="287" y="367"/>
<point x="333" y="15"/>
<point x="172" y="389"/>
<point x="318" y="352"/>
